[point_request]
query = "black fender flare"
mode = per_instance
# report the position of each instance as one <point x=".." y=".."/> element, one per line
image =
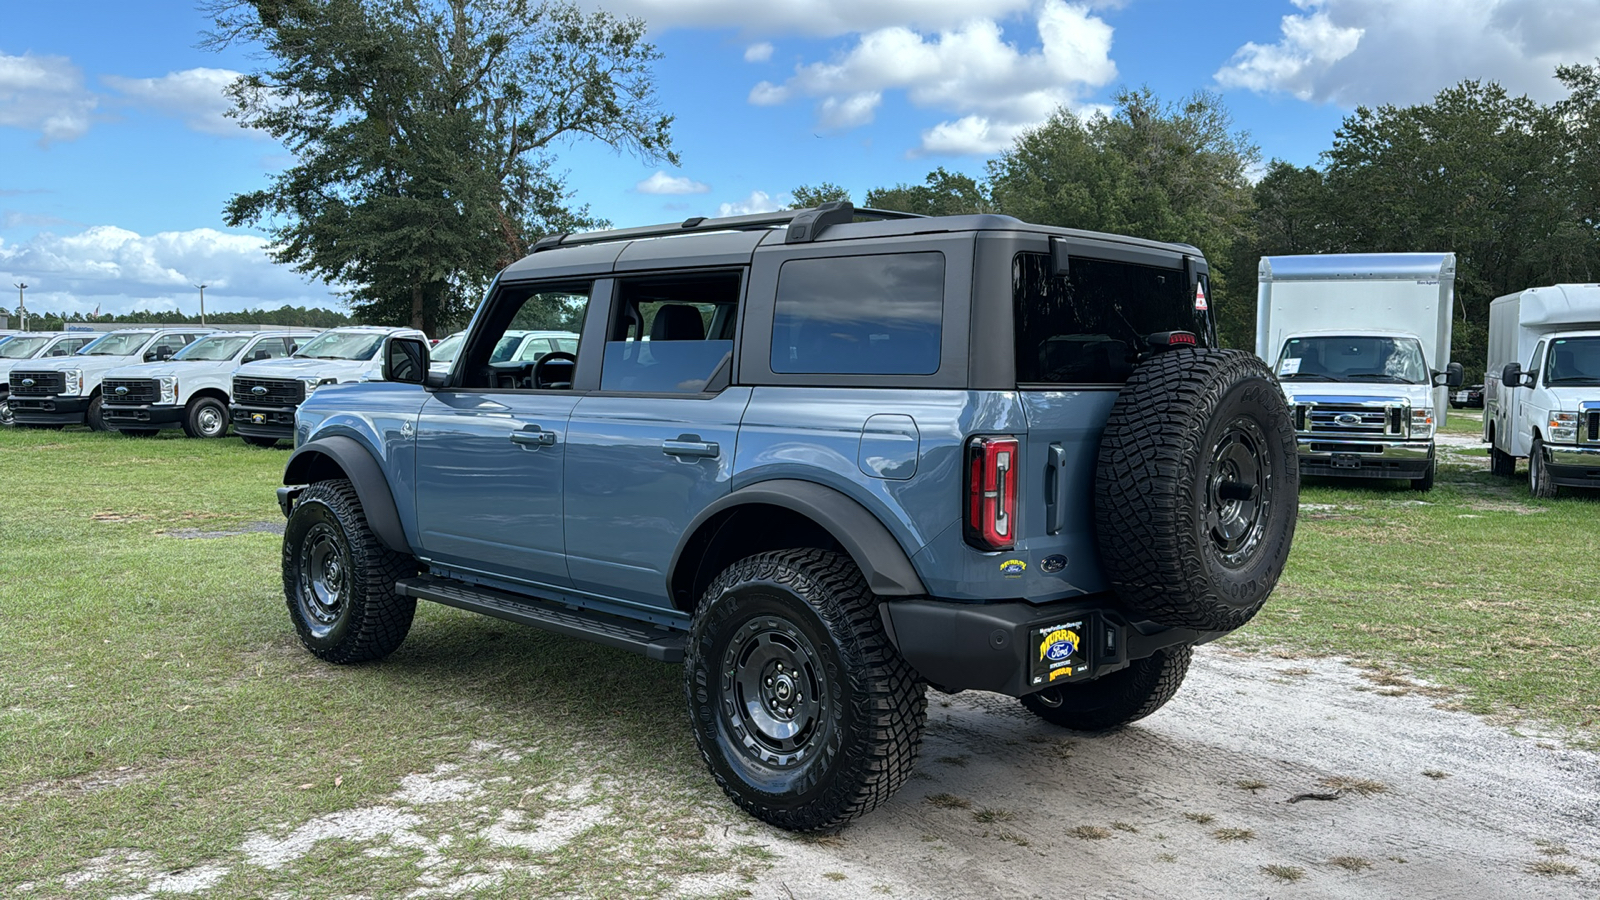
<point x="365" y="475"/>
<point x="882" y="560"/>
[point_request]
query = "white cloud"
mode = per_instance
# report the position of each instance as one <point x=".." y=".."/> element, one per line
<point x="193" y="95"/>
<point x="662" y="183"/>
<point x="45" y="94"/>
<point x="120" y="271"/>
<point x="1352" y="52"/>
<point x="817" y="18"/>
<point x="971" y="70"/>
<point x="757" y="202"/>
<point x="758" y="52"/>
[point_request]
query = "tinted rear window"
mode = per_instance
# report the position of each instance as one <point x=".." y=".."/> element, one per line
<point x="1089" y="326"/>
<point x="859" y="315"/>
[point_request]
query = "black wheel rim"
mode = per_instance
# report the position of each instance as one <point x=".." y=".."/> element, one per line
<point x="324" y="578"/>
<point x="1238" y="493"/>
<point x="773" y="692"/>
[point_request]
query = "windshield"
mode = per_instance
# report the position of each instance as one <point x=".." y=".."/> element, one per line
<point x="1353" y="358"/>
<point x="1573" y="361"/>
<point x="342" y="345"/>
<point x="22" y="347"/>
<point x="446" y="350"/>
<point x="213" y="349"/>
<point x="117" y="343"/>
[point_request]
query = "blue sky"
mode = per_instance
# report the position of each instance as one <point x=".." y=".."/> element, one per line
<point x="115" y="161"/>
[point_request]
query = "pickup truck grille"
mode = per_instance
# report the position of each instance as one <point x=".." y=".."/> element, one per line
<point x="1349" y="420"/>
<point x="129" y="391"/>
<point x="277" y="391"/>
<point x="44" y="384"/>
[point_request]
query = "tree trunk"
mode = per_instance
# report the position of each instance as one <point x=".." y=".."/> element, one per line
<point x="416" y="307"/>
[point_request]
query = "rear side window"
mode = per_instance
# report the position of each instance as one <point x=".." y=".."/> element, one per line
<point x="1089" y="326"/>
<point x="859" y="315"/>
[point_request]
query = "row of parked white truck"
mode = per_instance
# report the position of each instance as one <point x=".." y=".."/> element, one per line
<point x="1361" y="343"/>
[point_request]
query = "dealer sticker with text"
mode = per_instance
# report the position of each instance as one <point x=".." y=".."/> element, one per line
<point x="1058" y="652"/>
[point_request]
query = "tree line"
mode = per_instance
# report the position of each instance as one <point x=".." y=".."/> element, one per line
<point x="286" y="316"/>
<point x="426" y="137"/>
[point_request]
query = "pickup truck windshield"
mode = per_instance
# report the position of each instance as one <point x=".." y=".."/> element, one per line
<point x="213" y="349"/>
<point x="342" y="345"/>
<point x="446" y="350"/>
<point x="1371" y="358"/>
<point x="1573" y="362"/>
<point x="117" y="343"/>
<point x="22" y="347"/>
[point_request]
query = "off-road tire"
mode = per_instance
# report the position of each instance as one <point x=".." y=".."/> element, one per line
<point x="198" y="421"/>
<point x="1112" y="701"/>
<point x="858" y="740"/>
<point x="1502" y="463"/>
<point x="1188" y="424"/>
<point x="1540" y="484"/>
<point x="367" y="619"/>
<point x="255" y="441"/>
<point x="94" y="416"/>
<point x="1425" y="483"/>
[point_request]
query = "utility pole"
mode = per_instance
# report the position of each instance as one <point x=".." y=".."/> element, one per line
<point x="202" y="304"/>
<point x="22" y="306"/>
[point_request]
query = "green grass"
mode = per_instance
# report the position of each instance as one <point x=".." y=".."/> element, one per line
<point x="154" y="700"/>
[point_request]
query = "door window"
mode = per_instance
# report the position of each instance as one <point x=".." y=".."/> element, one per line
<point x="1535" y="364"/>
<point x="672" y="334"/>
<point x="492" y="357"/>
<point x="859" y="315"/>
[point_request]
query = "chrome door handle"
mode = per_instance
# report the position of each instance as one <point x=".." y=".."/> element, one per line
<point x="690" y="449"/>
<point x="533" y="437"/>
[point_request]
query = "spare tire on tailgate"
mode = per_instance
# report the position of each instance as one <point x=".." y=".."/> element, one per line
<point x="1197" y="487"/>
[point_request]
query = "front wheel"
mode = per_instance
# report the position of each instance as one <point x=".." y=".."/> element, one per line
<point x="1425" y="483"/>
<point x="1114" y="700"/>
<point x="339" y="579"/>
<point x="206" y="417"/>
<point x="7" y="417"/>
<point x="1540" y="484"/>
<point x="802" y="709"/>
<point x="94" y="417"/>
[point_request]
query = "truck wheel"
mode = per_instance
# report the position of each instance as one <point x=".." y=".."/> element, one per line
<point x="1197" y="487"/>
<point x="1114" y="700"/>
<point x="339" y="579"/>
<point x="1501" y="463"/>
<point x="259" y="441"/>
<point x="802" y="709"/>
<point x="207" y="417"/>
<point x="7" y="417"/>
<point x="94" y="416"/>
<point x="1425" y="483"/>
<point x="1539" y="482"/>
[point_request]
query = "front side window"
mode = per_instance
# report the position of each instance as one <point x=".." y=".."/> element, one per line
<point x="1353" y="358"/>
<point x="671" y="334"/>
<point x="446" y="350"/>
<point x="1574" y="362"/>
<point x="342" y="345"/>
<point x="117" y="343"/>
<point x="490" y="357"/>
<point x="859" y="315"/>
<point x="213" y="349"/>
<point x="1535" y="363"/>
<point x="1089" y="326"/>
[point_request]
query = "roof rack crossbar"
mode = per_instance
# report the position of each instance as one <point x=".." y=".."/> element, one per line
<point x="816" y="219"/>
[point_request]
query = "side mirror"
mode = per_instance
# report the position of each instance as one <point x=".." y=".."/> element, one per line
<point x="1451" y="376"/>
<point x="405" y="359"/>
<point x="1511" y="375"/>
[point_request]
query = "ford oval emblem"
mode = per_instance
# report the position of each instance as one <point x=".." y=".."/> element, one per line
<point x="1348" y="420"/>
<point x="27" y="382"/>
<point x="258" y="389"/>
<point x="121" y="391"/>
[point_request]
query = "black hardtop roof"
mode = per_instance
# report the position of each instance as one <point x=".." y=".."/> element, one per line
<point x="731" y="236"/>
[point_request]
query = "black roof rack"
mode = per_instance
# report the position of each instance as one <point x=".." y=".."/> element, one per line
<point x="805" y="225"/>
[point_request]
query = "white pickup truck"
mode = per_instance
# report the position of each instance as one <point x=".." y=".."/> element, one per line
<point x="1361" y="343"/>
<point x="23" y="346"/>
<point x="190" y="390"/>
<point x="1549" y="411"/>
<point x="66" y="390"/>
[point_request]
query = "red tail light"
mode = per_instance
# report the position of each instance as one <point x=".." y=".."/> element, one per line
<point x="991" y="519"/>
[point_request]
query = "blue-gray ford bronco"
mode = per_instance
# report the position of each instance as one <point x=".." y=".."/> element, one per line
<point x="824" y="458"/>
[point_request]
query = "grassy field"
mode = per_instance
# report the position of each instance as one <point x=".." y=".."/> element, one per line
<point x="157" y="714"/>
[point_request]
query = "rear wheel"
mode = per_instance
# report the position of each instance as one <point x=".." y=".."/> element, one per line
<point x="1197" y="489"/>
<point x="1502" y="463"/>
<point x="339" y="579"/>
<point x="206" y="417"/>
<point x="1114" y="700"/>
<point x="802" y="709"/>
<point x="1539" y="481"/>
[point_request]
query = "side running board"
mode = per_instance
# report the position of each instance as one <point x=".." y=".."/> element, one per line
<point x="653" y="641"/>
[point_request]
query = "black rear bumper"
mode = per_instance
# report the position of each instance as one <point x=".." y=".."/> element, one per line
<point x="1003" y="647"/>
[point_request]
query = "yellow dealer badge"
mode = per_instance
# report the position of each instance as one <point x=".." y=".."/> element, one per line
<point x="1013" y="568"/>
<point x="1058" y="646"/>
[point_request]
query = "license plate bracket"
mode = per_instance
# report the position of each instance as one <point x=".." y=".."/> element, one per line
<point x="1059" y="651"/>
<point x="1346" y="461"/>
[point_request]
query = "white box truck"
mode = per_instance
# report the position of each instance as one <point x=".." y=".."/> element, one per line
<point x="1361" y="343"/>
<point x="1549" y="411"/>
